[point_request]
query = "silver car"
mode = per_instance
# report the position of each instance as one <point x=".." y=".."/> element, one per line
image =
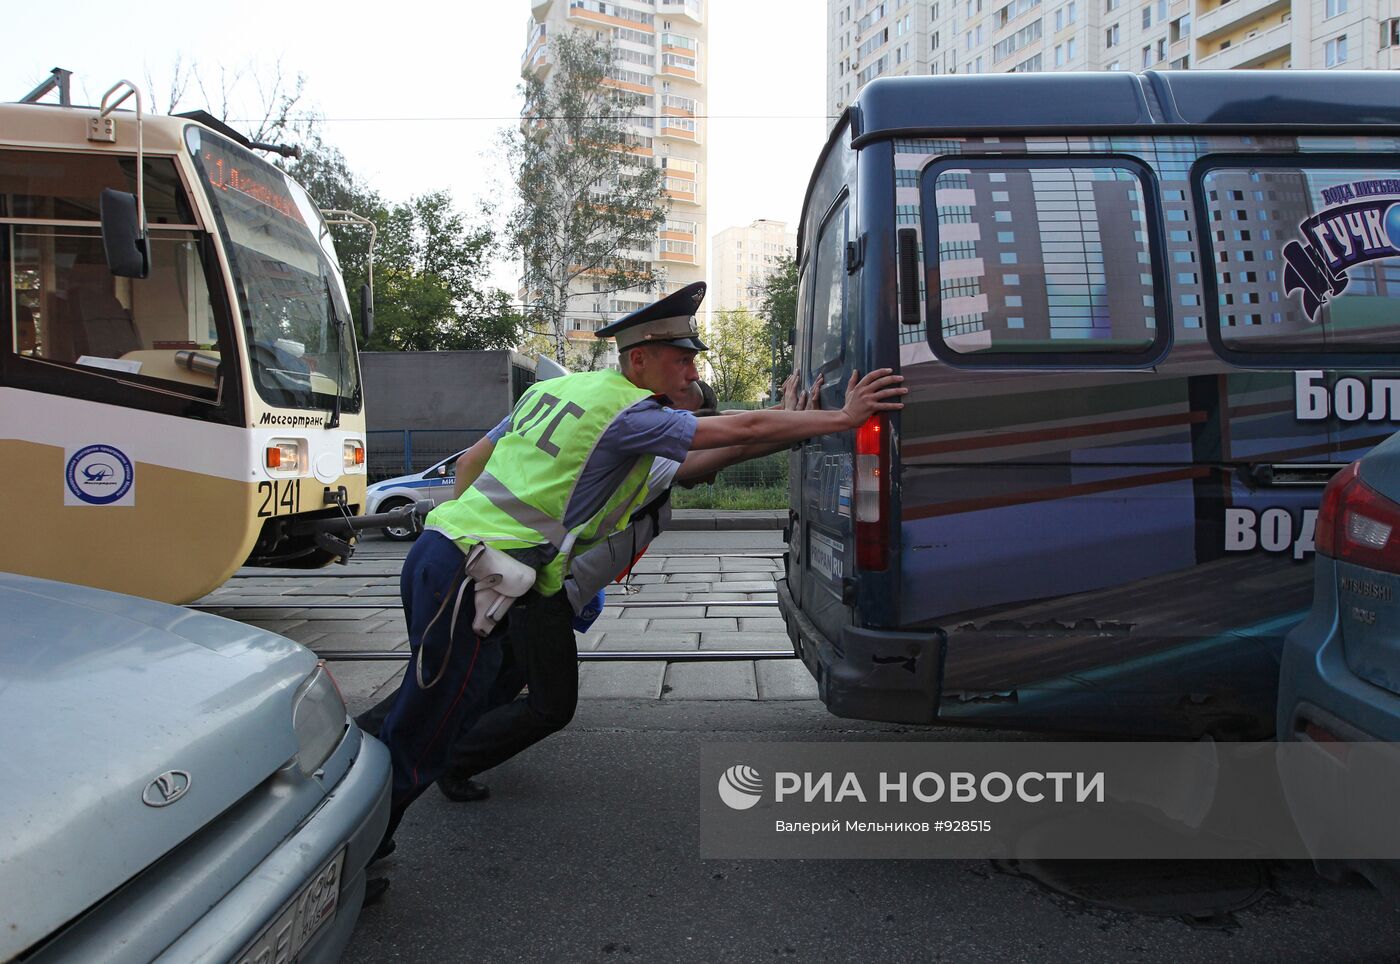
<point x="434" y="485"/>
<point x="174" y="785"/>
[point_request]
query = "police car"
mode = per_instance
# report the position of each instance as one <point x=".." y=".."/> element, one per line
<point x="435" y="485"/>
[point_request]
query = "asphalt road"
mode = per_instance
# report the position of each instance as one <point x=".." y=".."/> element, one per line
<point x="588" y="851"/>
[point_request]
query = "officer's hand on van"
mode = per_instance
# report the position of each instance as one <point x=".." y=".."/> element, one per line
<point x="877" y="392"/>
<point x="812" y="397"/>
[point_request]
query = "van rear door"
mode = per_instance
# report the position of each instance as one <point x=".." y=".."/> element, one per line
<point x="822" y="535"/>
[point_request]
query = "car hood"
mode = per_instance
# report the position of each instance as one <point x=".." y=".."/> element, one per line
<point x="100" y="694"/>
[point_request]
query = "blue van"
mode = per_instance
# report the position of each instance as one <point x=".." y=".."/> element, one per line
<point x="1144" y="319"/>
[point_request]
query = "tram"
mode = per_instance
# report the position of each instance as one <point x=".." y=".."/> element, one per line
<point x="179" y="388"/>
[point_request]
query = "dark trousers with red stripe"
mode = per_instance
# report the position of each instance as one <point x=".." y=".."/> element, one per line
<point x="424" y="721"/>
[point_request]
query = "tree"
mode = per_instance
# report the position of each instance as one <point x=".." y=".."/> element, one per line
<point x="738" y="355"/>
<point x="586" y="200"/>
<point x="779" y="313"/>
<point x="430" y="282"/>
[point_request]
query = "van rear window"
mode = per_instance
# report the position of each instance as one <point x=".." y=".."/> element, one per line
<point x="1045" y="261"/>
<point x="1306" y="259"/>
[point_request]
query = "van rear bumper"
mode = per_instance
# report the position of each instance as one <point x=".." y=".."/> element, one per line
<point x="869" y="674"/>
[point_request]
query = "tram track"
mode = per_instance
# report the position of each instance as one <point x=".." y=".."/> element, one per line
<point x="382" y="594"/>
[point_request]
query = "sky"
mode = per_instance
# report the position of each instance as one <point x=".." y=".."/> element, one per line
<point x="418" y="100"/>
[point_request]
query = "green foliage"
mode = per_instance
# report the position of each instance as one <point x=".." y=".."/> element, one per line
<point x="721" y="496"/>
<point x="779" y="314"/>
<point x="585" y="200"/>
<point x="430" y="282"/>
<point x="738" y="355"/>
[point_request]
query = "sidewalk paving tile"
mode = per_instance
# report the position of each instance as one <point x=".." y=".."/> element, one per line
<point x="285" y="613"/>
<point x="746" y="585"/>
<point x="317" y="587"/>
<point x="759" y="623"/>
<point x="305" y="634"/>
<point x="621" y="680"/>
<point x="662" y="593"/>
<point x="321" y="615"/>
<point x="710" y="681"/>
<point x="745" y="612"/>
<point x="647" y="642"/>
<point x="689" y="578"/>
<point x="690" y="564"/>
<point x="742" y="564"/>
<point x="362" y="641"/>
<point x="707" y="625"/>
<point x="664" y="612"/>
<point x="784" y="679"/>
<point x="745" y="641"/>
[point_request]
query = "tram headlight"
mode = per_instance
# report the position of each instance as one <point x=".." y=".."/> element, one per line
<point x="318" y="719"/>
<point x="354" y="455"/>
<point x="284" y="456"/>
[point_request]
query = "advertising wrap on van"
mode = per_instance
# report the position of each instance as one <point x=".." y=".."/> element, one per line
<point x="1350" y="233"/>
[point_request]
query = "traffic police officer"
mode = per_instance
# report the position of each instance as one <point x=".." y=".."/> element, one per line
<point x="570" y="471"/>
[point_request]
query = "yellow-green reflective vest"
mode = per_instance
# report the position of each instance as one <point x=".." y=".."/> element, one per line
<point x="518" y="503"/>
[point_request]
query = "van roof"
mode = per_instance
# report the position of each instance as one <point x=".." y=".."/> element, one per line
<point x="1295" y="101"/>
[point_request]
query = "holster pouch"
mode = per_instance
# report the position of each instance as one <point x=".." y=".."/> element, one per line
<point x="498" y="580"/>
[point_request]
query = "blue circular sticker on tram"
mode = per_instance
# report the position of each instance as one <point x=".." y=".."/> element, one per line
<point x="99" y="474"/>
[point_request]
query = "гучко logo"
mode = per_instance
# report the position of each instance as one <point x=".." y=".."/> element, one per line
<point x="740" y="787"/>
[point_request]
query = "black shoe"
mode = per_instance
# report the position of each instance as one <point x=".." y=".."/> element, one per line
<point x="462" y="789"/>
<point x="375" y="889"/>
<point x="386" y="847"/>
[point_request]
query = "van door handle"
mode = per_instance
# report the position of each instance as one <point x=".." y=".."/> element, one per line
<point x="1292" y="473"/>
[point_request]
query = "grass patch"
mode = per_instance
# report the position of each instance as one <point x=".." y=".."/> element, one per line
<point x="730" y="497"/>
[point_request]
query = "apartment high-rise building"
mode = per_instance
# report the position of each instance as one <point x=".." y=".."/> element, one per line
<point x="890" y="38"/>
<point x="661" y="52"/>
<point x="742" y="258"/>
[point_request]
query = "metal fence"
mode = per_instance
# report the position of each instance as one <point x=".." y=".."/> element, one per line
<point x="401" y="451"/>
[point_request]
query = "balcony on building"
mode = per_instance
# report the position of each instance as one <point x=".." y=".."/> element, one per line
<point x="692" y="10"/>
<point x="673" y="106"/>
<point x="1232" y="15"/>
<point x="680" y="181"/>
<point x="589" y="11"/>
<point x="677" y="230"/>
<point x="631" y="81"/>
<point x="680" y="189"/>
<point x="680" y="129"/>
<point x="675" y="43"/>
<point x="1249" y="52"/>
<point x="677" y="252"/>
<point x="682" y="66"/>
<point x="536" y="56"/>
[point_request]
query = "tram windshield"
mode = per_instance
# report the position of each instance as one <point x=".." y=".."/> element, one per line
<point x="296" y="315"/>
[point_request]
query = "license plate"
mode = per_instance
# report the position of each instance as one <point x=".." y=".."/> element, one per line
<point x="282" y="940"/>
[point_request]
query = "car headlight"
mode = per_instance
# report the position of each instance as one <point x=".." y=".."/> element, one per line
<point x="318" y="719"/>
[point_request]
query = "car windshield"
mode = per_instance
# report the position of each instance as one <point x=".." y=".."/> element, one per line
<point x="296" y="315"/>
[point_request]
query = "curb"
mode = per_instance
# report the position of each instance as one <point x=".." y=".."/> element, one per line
<point x="734" y="519"/>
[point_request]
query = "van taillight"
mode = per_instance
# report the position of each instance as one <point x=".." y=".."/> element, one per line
<point x="1357" y="524"/>
<point x="872" y="495"/>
